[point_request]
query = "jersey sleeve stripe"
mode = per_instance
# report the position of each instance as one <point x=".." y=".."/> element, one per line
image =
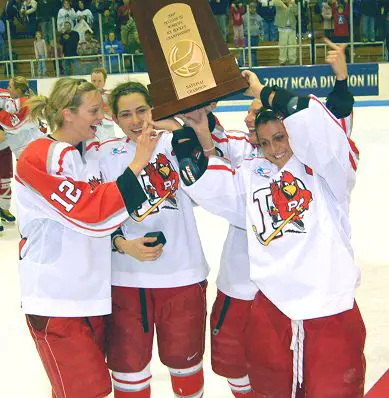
<point x="352" y="161"/>
<point x="344" y="127"/>
<point x="220" y="167"/>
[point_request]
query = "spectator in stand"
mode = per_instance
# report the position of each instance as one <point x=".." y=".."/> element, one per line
<point x="131" y="43"/>
<point x="385" y="5"/>
<point x="328" y="25"/>
<point x="89" y="46"/>
<point x="66" y="14"/>
<point x="219" y="9"/>
<point x="286" y="19"/>
<point x="108" y="23"/>
<point x="84" y="20"/>
<point x="97" y="7"/>
<point x="28" y="16"/>
<point x="113" y="11"/>
<point x="123" y="12"/>
<point x="11" y="11"/>
<point x="40" y="49"/>
<point x="357" y="19"/>
<point x="69" y="41"/>
<point x="266" y="9"/>
<point x="369" y="10"/>
<point x="341" y="13"/>
<point x="46" y="9"/>
<point x="3" y="51"/>
<point x="112" y="49"/>
<point x="380" y="20"/>
<point x="237" y="10"/>
<point x="256" y="30"/>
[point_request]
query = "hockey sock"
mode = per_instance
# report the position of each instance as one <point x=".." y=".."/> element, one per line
<point x="188" y="382"/>
<point x="240" y="387"/>
<point x="5" y="193"/>
<point x="134" y="385"/>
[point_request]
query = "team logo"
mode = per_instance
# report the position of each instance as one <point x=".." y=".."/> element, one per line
<point x="262" y="171"/>
<point x="94" y="182"/>
<point x="186" y="58"/>
<point x="119" y="150"/>
<point x="160" y="182"/>
<point x="282" y="206"/>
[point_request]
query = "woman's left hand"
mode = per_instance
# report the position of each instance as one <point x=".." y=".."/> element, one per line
<point x="255" y="86"/>
<point x="196" y="119"/>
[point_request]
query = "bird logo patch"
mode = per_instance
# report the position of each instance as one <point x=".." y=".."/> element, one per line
<point x="160" y="182"/>
<point x="282" y="206"/>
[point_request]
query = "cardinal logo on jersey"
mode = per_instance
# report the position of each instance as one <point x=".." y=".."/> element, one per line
<point x="160" y="182"/>
<point x="94" y="182"/>
<point x="282" y="206"/>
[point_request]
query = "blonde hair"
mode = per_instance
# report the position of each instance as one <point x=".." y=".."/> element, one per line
<point x="66" y="94"/>
<point x="21" y="83"/>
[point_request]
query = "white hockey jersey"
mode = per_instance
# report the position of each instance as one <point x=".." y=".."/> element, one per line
<point x="297" y="217"/>
<point x="19" y="129"/>
<point x="234" y="272"/>
<point x="65" y="219"/>
<point x="167" y="209"/>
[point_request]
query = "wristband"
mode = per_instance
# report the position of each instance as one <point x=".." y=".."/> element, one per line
<point x="265" y="94"/>
<point x="114" y="247"/>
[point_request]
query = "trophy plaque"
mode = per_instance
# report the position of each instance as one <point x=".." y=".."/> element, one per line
<point x="187" y="59"/>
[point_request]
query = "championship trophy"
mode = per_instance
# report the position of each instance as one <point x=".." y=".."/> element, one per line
<point x="187" y="59"/>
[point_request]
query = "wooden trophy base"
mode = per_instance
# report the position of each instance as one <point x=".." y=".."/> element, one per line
<point x="230" y="81"/>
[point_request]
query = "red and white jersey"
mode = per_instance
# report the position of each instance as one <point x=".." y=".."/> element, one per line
<point x="65" y="219"/>
<point x="167" y="209"/>
<point x="347" y="124"/>
<point x="234" y="272"/>
<point x="297" y="218"/>
<point x="5" y="100"/>
<point x="18" y="127"/>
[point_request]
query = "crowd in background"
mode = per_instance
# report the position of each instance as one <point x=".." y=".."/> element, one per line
<point x="79" y="32"/>
<point x="277" y="21"/>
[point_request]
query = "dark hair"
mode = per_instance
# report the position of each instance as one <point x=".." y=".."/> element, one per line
<point x="264" y="116"/>
<point x="127" y="88"/>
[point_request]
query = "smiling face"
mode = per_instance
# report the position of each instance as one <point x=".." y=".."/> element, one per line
<point x="274" y="142"/>
<point x="82" y="122"/>
<point x="133" y="111"/>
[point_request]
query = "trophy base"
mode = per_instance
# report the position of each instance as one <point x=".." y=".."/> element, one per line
<point x="166" y="105"/>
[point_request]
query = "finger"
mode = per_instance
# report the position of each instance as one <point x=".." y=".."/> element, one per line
<point x="343" y="46"/>
<point x="330" y="43"/>
<point x="147" y="239"/>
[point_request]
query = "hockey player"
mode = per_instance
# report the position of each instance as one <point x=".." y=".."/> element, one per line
<point x="107" y="128"/>
<point x="161" y="287"/>
<point x="295" y="204"/>
<point x="66" y="217"/>
<point x="16" y="131"/>
<point x="231" y="310"/>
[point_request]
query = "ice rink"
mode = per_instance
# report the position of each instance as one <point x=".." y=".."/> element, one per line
<point x="21" y="372"/>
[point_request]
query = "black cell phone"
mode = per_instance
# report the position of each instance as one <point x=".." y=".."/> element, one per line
<point x="160" y="238"/>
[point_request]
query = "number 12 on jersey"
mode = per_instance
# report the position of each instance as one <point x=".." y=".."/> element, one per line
<point x="68" y="188"/>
